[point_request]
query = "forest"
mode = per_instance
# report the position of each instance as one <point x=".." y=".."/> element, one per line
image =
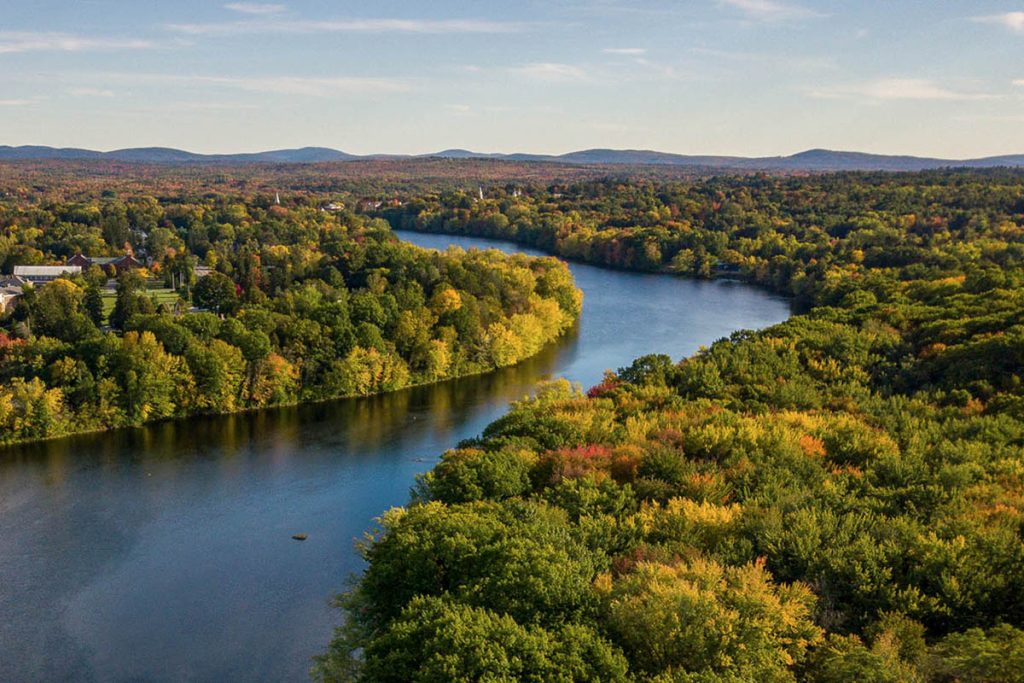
<point x="836" y="498"/>
<point x="839" y="497"/>
<point x="789" y="234"/>
<point x="240" y="303"/>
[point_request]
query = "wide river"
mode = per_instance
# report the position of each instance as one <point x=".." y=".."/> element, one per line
<point x="165" y="553"/>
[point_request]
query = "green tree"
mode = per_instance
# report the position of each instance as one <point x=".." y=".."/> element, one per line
<point x="703" y="619"/>
<point x="114" y="223"/>
<point x="130" y="299"/>
<point x="978" y="656"/>
<point x="147" y="375"/>
<point x="216" y="292"/>
<point x="93" y="305"/>
<point x="58" y="311"/>
<point x="520" y="560"/>
<point x="435" y="641"/>
<point x="467" y="475"/>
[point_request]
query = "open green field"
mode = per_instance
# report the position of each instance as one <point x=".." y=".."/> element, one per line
<point x="161" y="295"/>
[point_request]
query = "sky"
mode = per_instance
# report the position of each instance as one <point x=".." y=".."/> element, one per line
<point x="733" y="77"/>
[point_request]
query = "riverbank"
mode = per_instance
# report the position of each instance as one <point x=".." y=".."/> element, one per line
<point x="448" y="316"/>
<point x="841" y="477"/>
<point x="185" y="566"/>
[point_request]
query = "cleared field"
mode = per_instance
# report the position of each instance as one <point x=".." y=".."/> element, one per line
<point x="160" y="295"/>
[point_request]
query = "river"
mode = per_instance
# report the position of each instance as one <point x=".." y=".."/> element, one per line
<point x="165" y="553"/>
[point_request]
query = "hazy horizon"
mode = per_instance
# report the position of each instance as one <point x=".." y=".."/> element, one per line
<point x="497" y="153"/>
<point x="705" y="77"/>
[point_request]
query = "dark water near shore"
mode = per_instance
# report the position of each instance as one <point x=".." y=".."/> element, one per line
<point x="165" y="553"/>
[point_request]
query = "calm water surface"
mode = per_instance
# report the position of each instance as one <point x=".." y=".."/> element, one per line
<point x="165" y="553"/>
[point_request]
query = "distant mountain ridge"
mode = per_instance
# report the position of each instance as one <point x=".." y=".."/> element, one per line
<point x="168" y="155"/>
<point x="810" y="160"/>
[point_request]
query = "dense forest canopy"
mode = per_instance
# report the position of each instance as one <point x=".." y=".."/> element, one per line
<point x="786" y="233"/>
<point x="837" y="498"/>
<point x="369" y="178"/>
<point x="242" y="303"/>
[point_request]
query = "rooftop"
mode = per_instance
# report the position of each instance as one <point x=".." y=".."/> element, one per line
<point x="29" y="271"/>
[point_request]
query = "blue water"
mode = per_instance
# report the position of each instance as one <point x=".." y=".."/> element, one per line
<point x="165" y="553"/>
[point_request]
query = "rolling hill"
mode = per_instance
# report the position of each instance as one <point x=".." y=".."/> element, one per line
<point x="814" y="160"/>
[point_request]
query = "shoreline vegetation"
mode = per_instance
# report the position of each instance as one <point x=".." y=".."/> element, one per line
<point x="255" y="409"/>
<point x="748" y="227"/>
<point x="838" y="497"/>
<point x="289" y="305"/>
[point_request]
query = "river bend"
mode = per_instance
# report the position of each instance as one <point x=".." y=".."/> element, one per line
<point x="165" y="553"/>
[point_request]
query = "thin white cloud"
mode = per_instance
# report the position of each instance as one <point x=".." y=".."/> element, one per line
<point x="889" y="89"/>
<point x="280" y="85"/>
<point x="650" y="70"/>
<point x="90" y="92"/>
<point x="635" y="61"/>
<point x="771" y="10"/>
<point x="630" y="70"/>
<point x="420" y="26"/>
<point x="769" y="60"/>
<point x="315" y="87"/>
<point x="28" y="41"/>
<point x="196" y="107"/>
<point x="551" y="72"/>
<point x="255" y="8"/>
<point x="1013" y="21"/>
<point x="16" y="103"/>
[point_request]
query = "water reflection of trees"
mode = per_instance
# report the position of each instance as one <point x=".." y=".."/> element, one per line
<point x="361" y="427"/>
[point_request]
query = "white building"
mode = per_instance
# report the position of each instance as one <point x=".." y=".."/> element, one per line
<point x="40" y="274"/>
<point x="8" y="296"/>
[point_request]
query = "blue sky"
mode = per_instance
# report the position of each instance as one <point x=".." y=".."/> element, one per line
<point x="748" y="77"/>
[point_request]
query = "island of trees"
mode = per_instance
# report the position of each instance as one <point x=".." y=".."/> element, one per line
<point x="837" y="498"/>
<point x="234" y="302"/>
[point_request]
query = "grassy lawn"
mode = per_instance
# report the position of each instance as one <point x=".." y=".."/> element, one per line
<point x="160" y="294"/>
<point x="163" y="296"/>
